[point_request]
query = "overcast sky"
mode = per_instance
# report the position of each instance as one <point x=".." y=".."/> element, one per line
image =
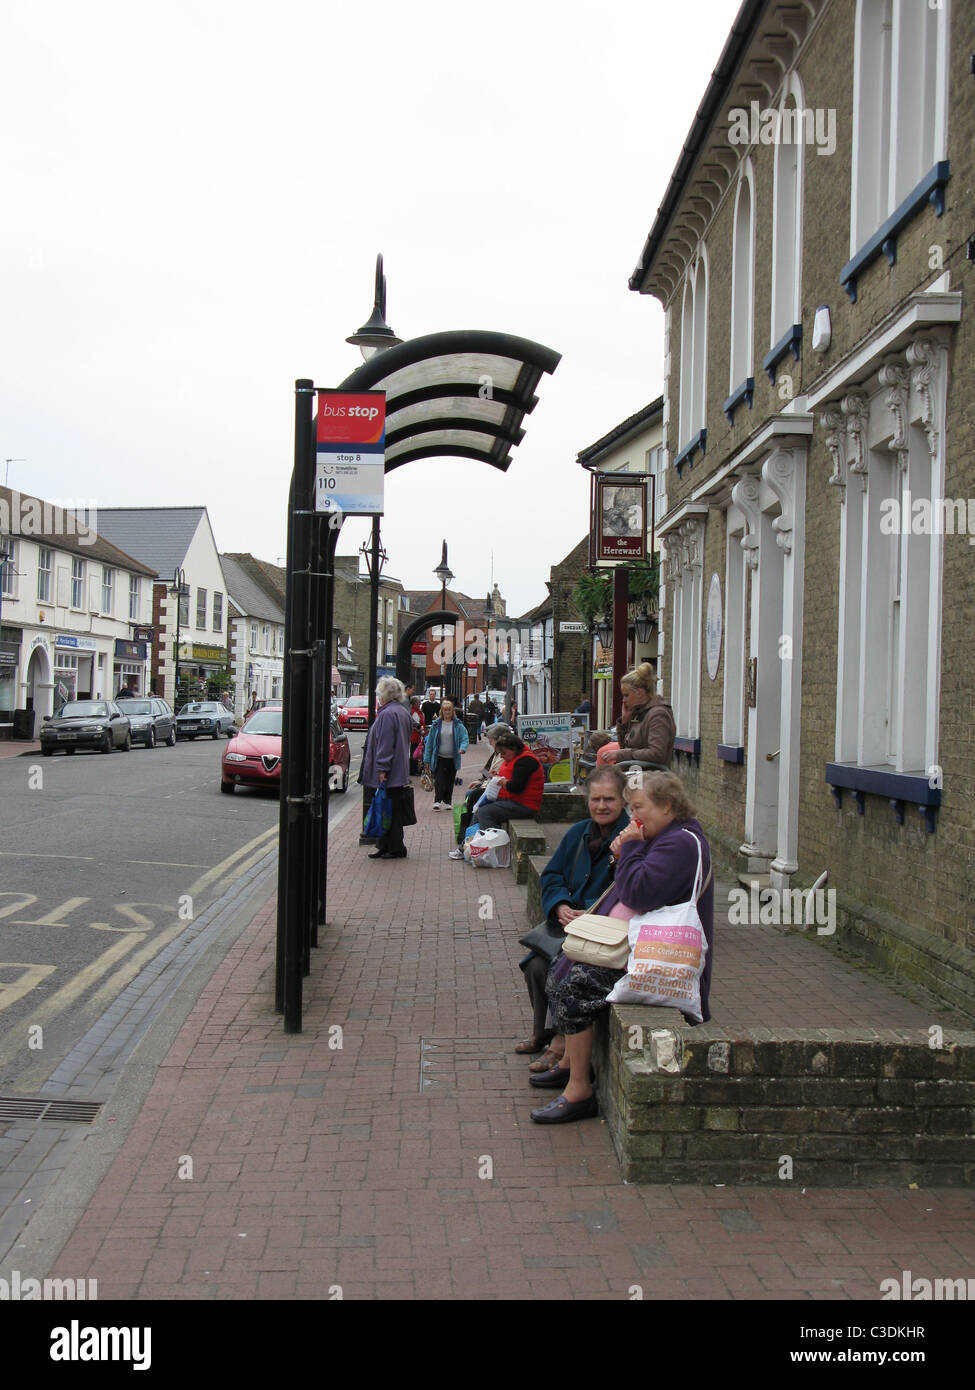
<point x="192" y="197"/>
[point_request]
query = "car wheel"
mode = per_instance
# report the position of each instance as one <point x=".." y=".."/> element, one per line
<point x="107" y="745"/>
<point x="191" y="737"/>
<point x="71" y="752"/>
<point x="48" y="752"/>
<point x="216" y="733"/>
<point x="171" y="741"/>
<point x="227" y="788"/>
<point x="127" y="745"/>
<point x="151" y="738"/>
<point x="345" y="781"/>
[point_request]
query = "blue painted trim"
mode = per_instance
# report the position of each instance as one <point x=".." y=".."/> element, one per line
<point x="897" y="787"/>
<point x="745" y="392"/>
<point x="686" y="455"/>
<point x="884" y="240"/>
<point x="690" y="746"/>
<point x="789" y="342"/>
<point x="731" y="753"/>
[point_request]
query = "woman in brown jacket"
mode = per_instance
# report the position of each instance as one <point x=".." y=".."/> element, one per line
<point x="645" y="730"/>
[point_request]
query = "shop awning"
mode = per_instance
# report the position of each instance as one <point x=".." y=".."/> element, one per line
<point x="464" y="393"/>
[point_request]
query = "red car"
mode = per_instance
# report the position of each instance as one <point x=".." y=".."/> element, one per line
<point x="253" y="757"/>
<point x="354" y="713"/>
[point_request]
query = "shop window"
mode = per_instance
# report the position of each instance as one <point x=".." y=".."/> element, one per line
<point x="45" y="574"/>
<point x="134" y="597"/>
<point x="217" y="611"/>
<point x="77" y="583"/>
<point x="201" y="608"/>
<point x="900" y="91"/>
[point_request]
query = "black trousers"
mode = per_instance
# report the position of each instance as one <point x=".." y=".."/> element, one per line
<point x="443" y="780"/>
<point x="536" y="973"/>
<point x="392" y="841"/>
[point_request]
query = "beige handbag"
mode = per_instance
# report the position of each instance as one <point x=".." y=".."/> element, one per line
<point x="595" y="940"/>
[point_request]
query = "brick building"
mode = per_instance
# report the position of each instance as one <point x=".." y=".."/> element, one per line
<point x="810" y="257"/>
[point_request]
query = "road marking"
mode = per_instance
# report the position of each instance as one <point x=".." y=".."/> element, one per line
<point x="225" y="865"/>
<point x="163" y="863"/>
<point x="68" y="993"/>
<point x="22" y="854"/>
<point x="52" y="918"/>
<point x="29" y="977"/>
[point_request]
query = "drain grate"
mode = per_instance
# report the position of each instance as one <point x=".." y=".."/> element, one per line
<point x="38" y="1108"/>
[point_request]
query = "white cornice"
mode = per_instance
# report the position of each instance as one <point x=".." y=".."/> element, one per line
<point x="776" y="430"/>
<point x="679" y="515"/>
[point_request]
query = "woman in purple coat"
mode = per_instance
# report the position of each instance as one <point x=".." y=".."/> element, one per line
<point x="657" y="865"/>
<point x="386" y="762"/>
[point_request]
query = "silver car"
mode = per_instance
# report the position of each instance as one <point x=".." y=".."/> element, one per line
<point x="205" y="717"/>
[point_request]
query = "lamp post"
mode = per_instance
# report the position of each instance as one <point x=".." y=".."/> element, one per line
<point x="444" y="575"/>
<point x="178" y="590"/>
<point x="489" y="615"/>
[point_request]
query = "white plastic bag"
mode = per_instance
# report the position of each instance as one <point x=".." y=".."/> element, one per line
<point x="490" y="793"/>
<point x="490" y="849"/>
<point x="667" y="953"/>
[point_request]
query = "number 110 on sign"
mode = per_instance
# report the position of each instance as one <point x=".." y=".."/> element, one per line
<point x="349" y="482"/>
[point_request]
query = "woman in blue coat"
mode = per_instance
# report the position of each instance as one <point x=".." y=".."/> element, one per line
<point x="578" y="872"/>
<point x="446" y="742"/>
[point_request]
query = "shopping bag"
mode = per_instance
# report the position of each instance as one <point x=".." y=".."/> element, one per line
<point x="459" y="810"/>
<point x="379" y="817"/>
<point x="408" y="805"/>
<point x="490" y="849"/>
<point x="667" y="953"/>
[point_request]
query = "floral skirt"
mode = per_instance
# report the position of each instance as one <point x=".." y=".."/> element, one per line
<point x="577" y="992"/>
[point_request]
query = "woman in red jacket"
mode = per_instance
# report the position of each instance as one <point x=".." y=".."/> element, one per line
<point x="522" y="783"/>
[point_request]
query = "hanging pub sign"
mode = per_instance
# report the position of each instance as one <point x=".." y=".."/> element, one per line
<point x="350" y="452"/>
<point x="619" y="519"/>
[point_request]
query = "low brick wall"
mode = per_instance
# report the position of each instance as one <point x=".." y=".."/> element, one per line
<point x="813" y="1107"/>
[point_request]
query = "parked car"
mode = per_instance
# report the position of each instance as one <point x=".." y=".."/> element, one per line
<point x="252" y="758"/>
<point x="339" y="757"/>
<point x="86" y="724"/>
<point x="151" y="720"/>
<point x="354" y="714"/>
<point x="205" y="717"/>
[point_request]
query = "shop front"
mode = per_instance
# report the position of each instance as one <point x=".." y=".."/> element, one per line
<point x="10" y="638"/>
<point x="130" y="666"/>
<point x="74" y="668"/>
<point x="203" y="674"/>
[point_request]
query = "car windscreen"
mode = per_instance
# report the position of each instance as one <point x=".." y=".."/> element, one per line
<point x="265" y="721"/>
<point x="198" y="708"/>
<point x="137" y="707"/>
<point x="84" y="709"/>
<point x="357" y="702"/>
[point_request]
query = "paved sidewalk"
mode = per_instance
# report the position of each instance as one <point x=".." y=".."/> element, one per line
<point x="396" y="1158"/>
<point x="15" y="748"/>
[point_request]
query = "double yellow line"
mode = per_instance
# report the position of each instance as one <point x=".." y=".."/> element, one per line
<point x="223" y="874"/>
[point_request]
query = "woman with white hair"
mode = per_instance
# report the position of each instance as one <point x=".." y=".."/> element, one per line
<point x="386" y="762"/>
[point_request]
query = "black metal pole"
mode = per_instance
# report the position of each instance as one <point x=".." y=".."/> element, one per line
<point x="326" y="588"/>
<point x="373" y="620"/>
<point x="296" y="751"/>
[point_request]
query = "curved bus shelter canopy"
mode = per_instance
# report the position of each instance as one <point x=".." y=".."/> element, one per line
<point x="464" y="392"/>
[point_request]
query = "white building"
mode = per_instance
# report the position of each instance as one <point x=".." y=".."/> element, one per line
<point x="256" y="633"/>
<point x="75" y="611"/>
<point x="177" y="542"/>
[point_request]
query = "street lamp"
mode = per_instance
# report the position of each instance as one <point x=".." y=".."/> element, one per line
<point x="444" y="575"/>
<point x="375" y="334"/>
<point x="179" y="590"/>
<point x="645" y="626"/>
<point x="604" y="631"/>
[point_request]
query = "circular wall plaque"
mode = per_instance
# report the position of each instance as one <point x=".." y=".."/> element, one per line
<point x="712" y="630"/>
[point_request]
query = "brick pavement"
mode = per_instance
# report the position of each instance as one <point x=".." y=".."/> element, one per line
<point x="403" y="1164"/>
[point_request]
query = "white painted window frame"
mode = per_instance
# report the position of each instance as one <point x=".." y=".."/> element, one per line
<point x="740" y="365"/>
<point x="787" y="215"/>
<point x="735" y="634"/>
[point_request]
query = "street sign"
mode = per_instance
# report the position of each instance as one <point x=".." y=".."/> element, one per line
<point x="350" y="452"/>
<point x="572" y="627"/>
